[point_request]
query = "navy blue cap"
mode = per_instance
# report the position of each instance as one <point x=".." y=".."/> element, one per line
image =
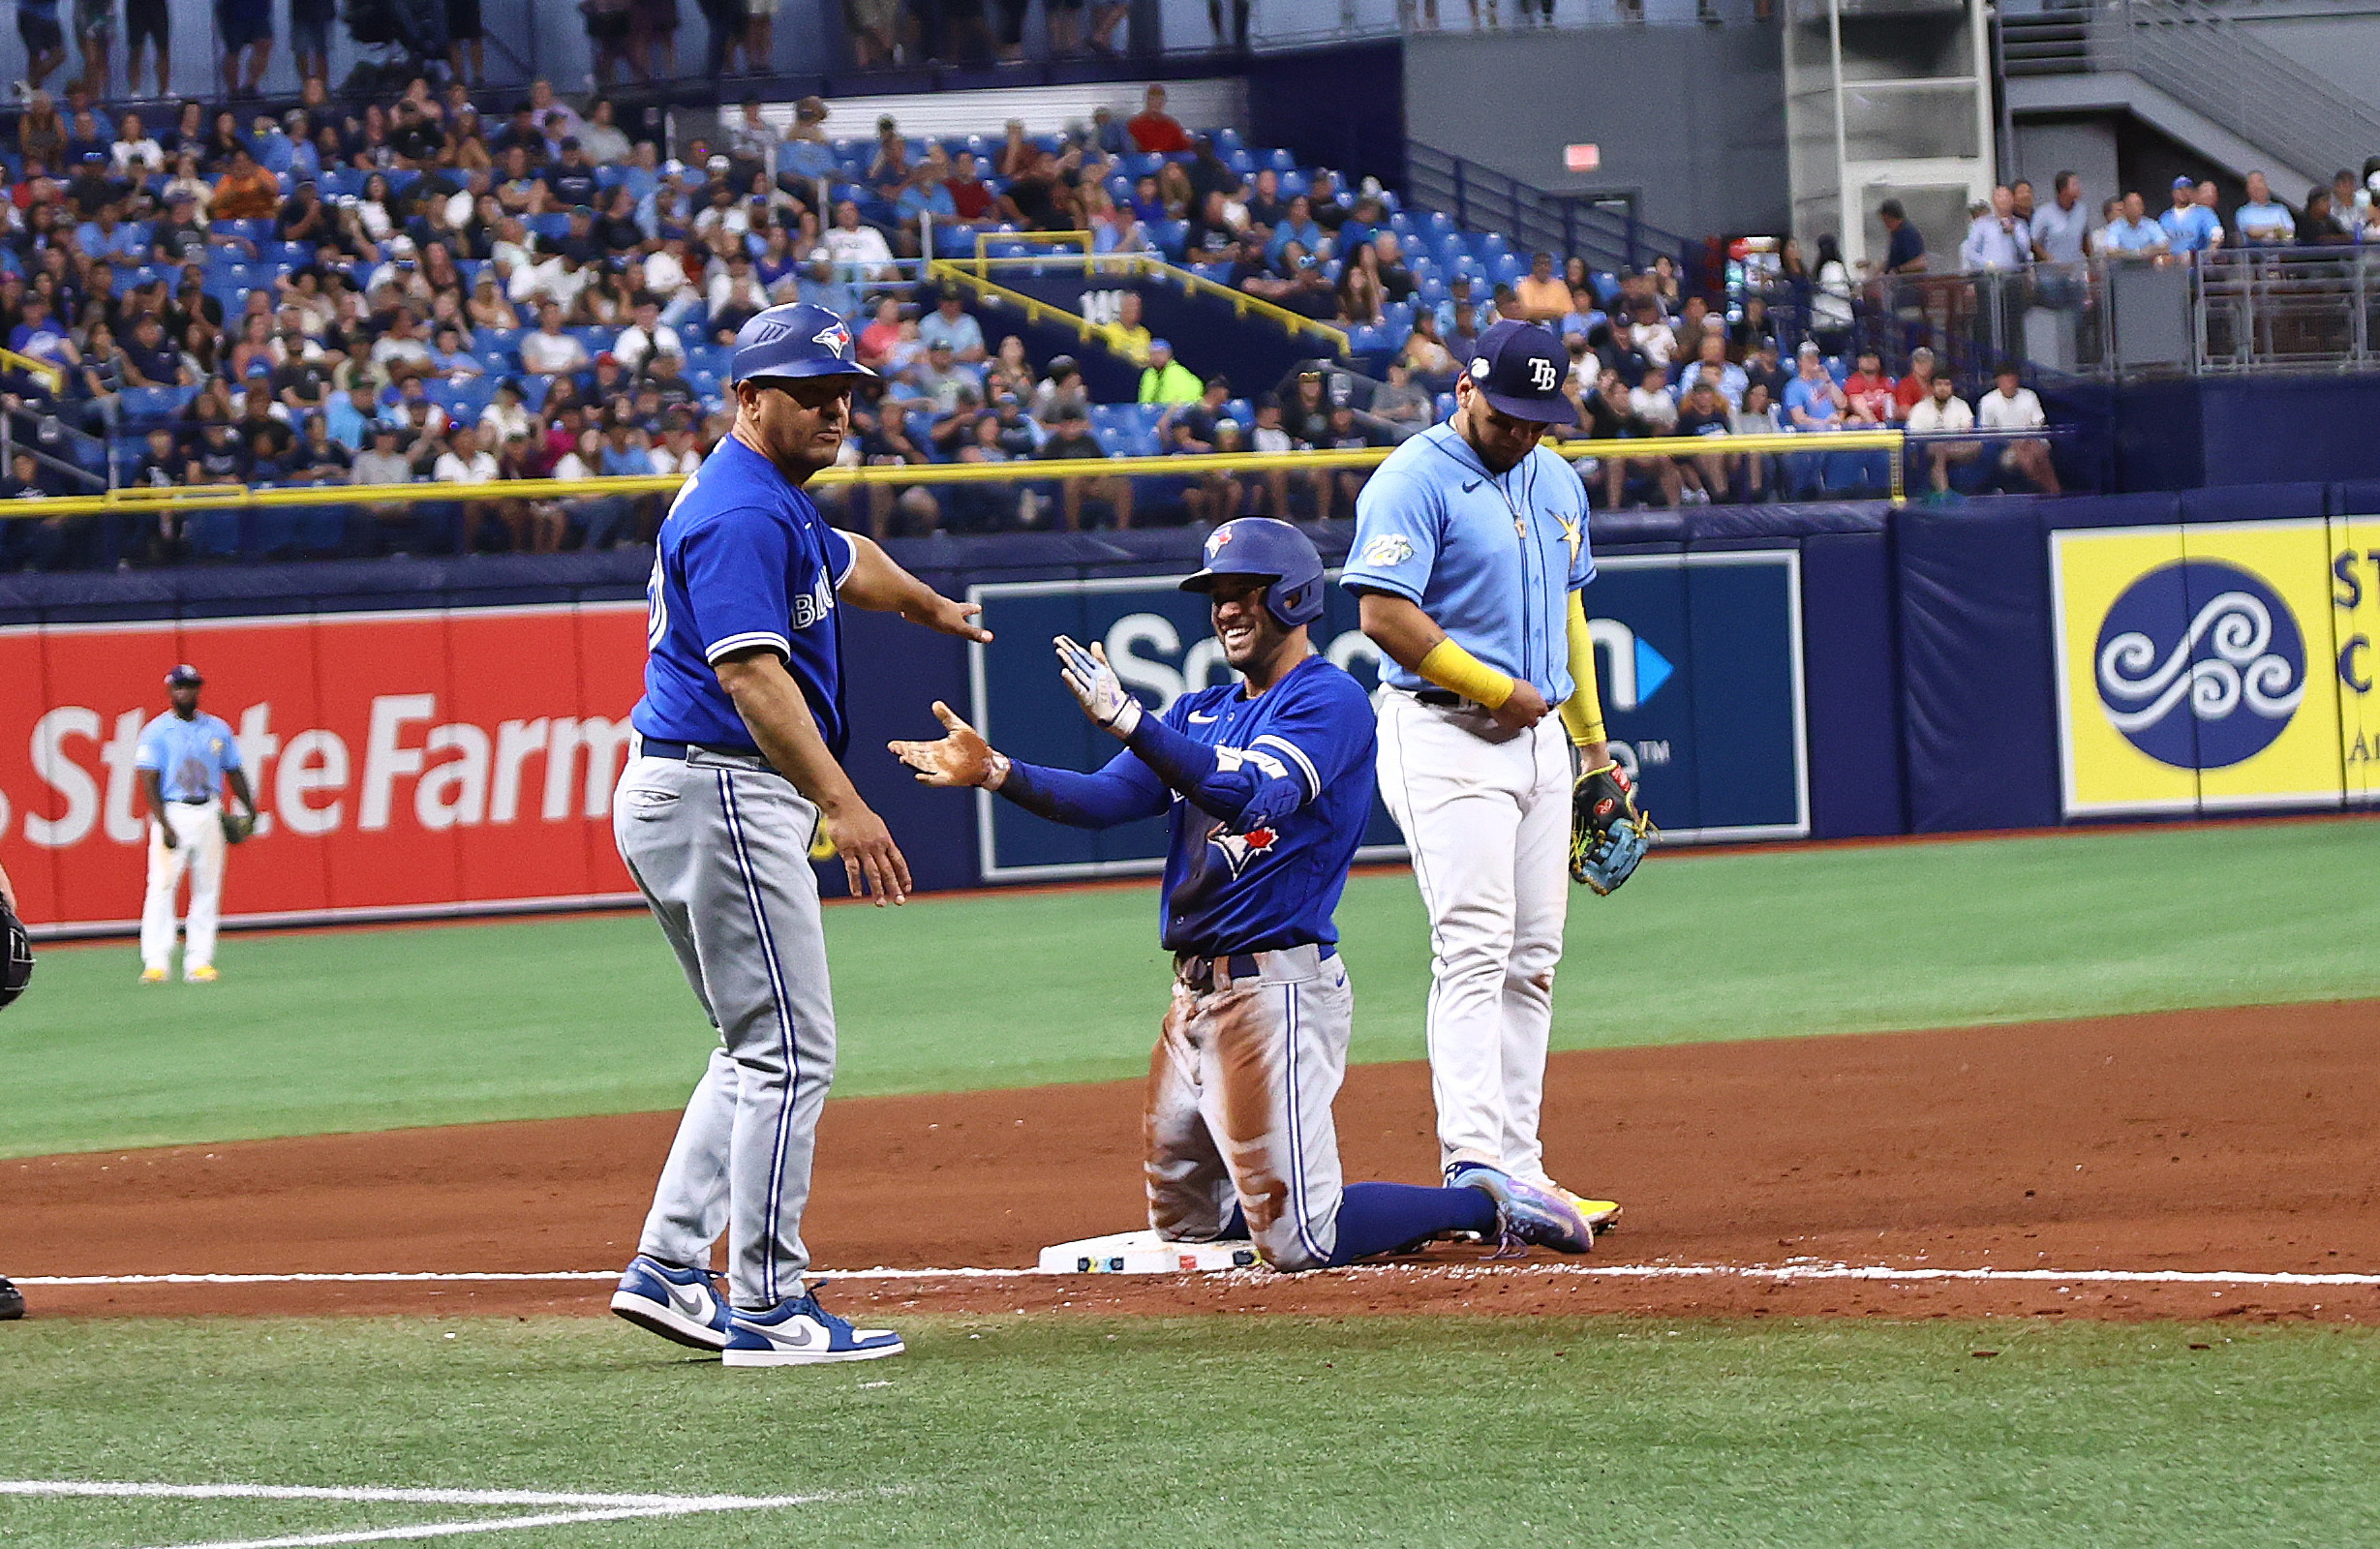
<point x="1518" y="366"/>
<point x="183" y="674"/>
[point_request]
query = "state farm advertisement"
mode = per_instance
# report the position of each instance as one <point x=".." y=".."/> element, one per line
<point x="403" y="763"/>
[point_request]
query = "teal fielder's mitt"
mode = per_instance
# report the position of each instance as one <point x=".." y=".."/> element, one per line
<point x="1608" y="836"/>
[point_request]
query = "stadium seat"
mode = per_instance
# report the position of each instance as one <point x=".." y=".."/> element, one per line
<point x="1295" y="183"/>
<point x="550" y="226"/>
<point x="1281" y="161"/>
<point x="252" y="230"/>
<point x="1240" y="161"/>
<point x="1226" y="139"/>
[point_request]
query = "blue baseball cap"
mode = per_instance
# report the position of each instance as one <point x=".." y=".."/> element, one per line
<point x="796" y="339"/>
<point x="185" y="674"/>
<point x="1518" y="367"/>
<point x="1271" y="549"/>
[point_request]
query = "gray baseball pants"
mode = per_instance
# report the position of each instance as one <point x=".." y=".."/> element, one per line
<point x="718" y="844"/>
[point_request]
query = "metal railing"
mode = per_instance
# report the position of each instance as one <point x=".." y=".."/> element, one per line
<point x="2230" y="311"/>
<point x="1534" y="219"/>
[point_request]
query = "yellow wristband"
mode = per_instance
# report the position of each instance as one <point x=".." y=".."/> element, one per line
<point x="1450" y="667"/>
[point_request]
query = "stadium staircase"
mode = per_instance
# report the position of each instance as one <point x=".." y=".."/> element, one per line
<point x="2189" y="68"/>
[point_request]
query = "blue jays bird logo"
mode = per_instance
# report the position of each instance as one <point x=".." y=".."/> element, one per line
<point x="835" y="336"/>
<point x="1238" y="849"/>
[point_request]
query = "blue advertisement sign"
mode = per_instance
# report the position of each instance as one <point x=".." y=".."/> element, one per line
<point x="1698" y="655"/>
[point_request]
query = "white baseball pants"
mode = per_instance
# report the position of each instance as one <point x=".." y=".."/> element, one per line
<point x="1486" y="814"/>
<point x="198" y="829"/>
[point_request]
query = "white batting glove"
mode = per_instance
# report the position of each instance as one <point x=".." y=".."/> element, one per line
<point x="1102" y="694"/>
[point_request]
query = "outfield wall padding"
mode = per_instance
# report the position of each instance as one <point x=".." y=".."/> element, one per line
<point x="454" y="690"/>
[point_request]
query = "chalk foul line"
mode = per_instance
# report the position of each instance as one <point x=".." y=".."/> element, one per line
<point x="1793" y="1271"/>
<point x="580" y="1507"/>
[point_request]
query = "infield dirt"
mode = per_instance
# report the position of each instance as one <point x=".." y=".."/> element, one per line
<point x="2243" y="1140"/>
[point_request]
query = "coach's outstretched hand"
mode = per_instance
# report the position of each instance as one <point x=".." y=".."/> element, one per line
<point x="948" y="616"/>
<point x="961" y="758"/>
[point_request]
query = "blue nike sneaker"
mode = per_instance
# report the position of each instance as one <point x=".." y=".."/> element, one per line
<point x="686" y="1305"/>
<point x="1524" y="1212"/>
<point x="801" y="1333"/>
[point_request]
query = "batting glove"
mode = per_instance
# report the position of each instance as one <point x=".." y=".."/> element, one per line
<point x="1102" y="694"/>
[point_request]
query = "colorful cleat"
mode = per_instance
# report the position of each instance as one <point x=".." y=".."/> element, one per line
<point x="152" y="976"/>
<point x="1540" y="1218"/>
<point x="1601" y="1214"/>
<point x="685" y="1305"/>
<point x="801" y="1333"/>
<point x="203" y="974"/>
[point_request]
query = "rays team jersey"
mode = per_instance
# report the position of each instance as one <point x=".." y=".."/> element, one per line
<point x="1264" y="884"/>
<point x="744" y="558"/>
<point x="191" y="757"/>
<point x="1491" y="558"/>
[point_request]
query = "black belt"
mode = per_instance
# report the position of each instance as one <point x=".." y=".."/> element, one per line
<point x="1198" y="970"/>
<point x="1445" y="698"/>
<point x="656" y="747"/>
<point x="190" y="801"/>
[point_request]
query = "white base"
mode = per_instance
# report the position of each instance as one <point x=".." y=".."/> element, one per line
<point x="1143" y="1252"/>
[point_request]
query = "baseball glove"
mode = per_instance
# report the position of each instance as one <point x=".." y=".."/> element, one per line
<point x="1608" y="836"/>
<point x="16" y="955"/>
<point x="237" y="826"/>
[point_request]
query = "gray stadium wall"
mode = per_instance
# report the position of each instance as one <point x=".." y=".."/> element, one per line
<point x="1690" y="119"/>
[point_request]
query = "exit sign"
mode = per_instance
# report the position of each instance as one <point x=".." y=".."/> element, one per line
<point x="1581" y="158"/>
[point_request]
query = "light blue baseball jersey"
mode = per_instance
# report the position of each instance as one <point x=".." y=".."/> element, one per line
<point x="190" y="756"/>
<point x="1491" y="558"/>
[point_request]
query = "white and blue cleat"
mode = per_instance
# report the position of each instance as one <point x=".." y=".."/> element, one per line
<point x="801" y="1333"/>
<point x="685" y="1305"/>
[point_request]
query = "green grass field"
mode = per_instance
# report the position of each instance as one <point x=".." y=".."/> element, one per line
<point x="378" y="1029"/>
<point x="1246" y="1430"/>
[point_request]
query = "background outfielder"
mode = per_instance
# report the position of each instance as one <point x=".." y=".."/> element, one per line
<point x="184" y="758"/>
<point x="740" y="734"/>
<point x="1270" y="785"/>
<point x="1471" y="546"/>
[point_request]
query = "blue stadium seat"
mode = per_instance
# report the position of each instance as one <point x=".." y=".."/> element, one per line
<point x="1226" y="139"/>
<point x="337" y="181"/>
<point x="1295" y="183"/>
<point x="1240" y="161"/>
<point x="550" y="226"/>
<point x="276" y="153"/>
<point x="533" y="390"/>
<point x="142" y="405"/>
<point x="1281" y="161"/>
<point x="292" y="254"/>
<point x="1170" y="236"/>
<point x="1137" y="165"/>
<point x="1364" y="339"/>
<point x="505" y="342"/>
<point x="400" y="179"/>
<point x="252" y="230"/>
<point x="610" y="176"/>
<point x="1397" y="318"/>
<point x="1505" y="268"/>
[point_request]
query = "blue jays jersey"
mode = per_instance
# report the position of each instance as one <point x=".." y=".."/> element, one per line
<point x="190" y="756"/>
<point x="744" y="558"/>
<point x="1264" y="884"/>
<point x="1492" y="558"/>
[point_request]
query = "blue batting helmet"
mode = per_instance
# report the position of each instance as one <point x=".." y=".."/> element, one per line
<point x="1274" y="551"/>
<point x="795" y="340"/>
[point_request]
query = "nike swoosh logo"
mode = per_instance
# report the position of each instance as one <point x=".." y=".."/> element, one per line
<point x="690" y="1300"/>
<point x="1203" y="720"/>
<point x="1473" y="485"/>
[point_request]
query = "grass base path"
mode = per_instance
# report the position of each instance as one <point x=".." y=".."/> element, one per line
<point x="1090" y="1434"/>
<point x="381" y="1029"/>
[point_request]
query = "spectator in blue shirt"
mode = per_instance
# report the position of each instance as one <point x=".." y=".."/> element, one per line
<point x="821" y="284"/>
<point x="1811" y="399"/>
<point x="1299" y="225"/>
<point x="110" y="237"/>
<point x="2190" y="226"/>
<point x="1904" y="247"/>
<point x="2260" y="222"/>
<point x="2132" y="235"/>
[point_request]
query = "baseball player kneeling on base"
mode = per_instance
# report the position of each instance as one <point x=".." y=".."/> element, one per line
<point x="1269" y="784"/>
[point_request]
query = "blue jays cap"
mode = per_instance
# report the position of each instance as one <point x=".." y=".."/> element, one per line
<point x="183" y="674"/>
<point x="795" y="340"/>
<point x="1519" y="366"/>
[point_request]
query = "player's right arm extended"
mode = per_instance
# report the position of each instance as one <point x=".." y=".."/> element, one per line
<point x="787" y="734"/>
<point x="1125" y="791"/>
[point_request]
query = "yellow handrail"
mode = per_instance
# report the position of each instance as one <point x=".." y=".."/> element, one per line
<point x="1033" y="306"/>
<point x="146" y="499"/>
<point x="1084" y="240"/>
<point x="55" y="375"/>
